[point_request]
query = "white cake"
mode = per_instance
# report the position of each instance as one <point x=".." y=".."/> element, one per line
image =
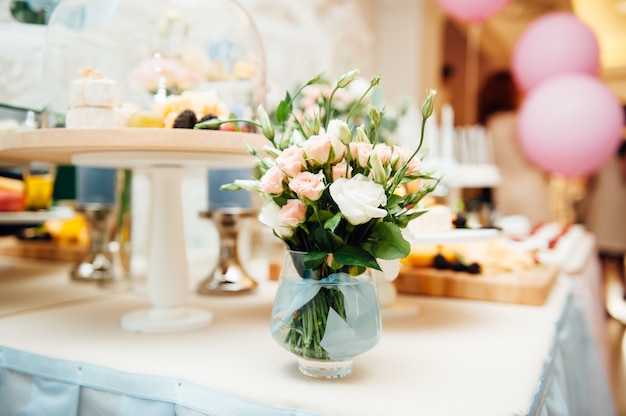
<point x="94" y="103"/>
<point x="437" y="219"/>
<point x="93" y="92"/>
<point x="95" y="118"/>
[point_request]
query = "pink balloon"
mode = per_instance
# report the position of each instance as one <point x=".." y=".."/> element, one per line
<point x="472" y="10"/>
<point x="554" y="44"/>
<point x="570" y="124"/>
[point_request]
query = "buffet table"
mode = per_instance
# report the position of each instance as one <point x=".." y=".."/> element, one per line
<point x="66" y="353"/>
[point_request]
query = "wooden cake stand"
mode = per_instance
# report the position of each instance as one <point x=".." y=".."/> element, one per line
<point x="165" y="153"/>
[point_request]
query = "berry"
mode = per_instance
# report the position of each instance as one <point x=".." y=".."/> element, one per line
<point x="227" y="127"/>
<point x="440" y="262"/>
<point x="185" y="120"/>
<point x="473" y="268"/>
<point x="460" y="221"/>
<point x="206" y="117"/>
<point x="458" y="266"/>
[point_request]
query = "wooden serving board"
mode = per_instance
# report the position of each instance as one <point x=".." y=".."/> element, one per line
<point x="530" y="287"/>
<point x="48" y="250"/>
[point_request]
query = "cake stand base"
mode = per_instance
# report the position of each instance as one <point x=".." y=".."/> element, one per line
<point x="229" y="276"/>
<point x="226" y="285"/>
<point x="168" y="321"/>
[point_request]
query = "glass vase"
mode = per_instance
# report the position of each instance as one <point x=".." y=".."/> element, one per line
<point x="325" y="321"/>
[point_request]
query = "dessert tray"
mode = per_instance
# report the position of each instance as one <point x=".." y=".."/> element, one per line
<point x="553" y="248"/>
<point x="528" y="287"/>
<point x="165" y="153"/>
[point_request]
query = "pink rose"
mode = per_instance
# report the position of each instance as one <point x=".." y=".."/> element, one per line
<point x="403" y="154"/>
<point x="272" y="181"/>
<point x="414" y="167"/>
<point x="339" y="170"/>
<point x="384" y="153"/>
<point x="291" y="161"/>
<point x="317" y="149"/>
<point x="308" y="185"/>
<point x="293" y="213"/>
<point x="360" y="151"/>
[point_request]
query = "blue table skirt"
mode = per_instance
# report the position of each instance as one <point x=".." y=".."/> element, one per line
<point x="573" y="382"/>
<point x="33" y="385"/>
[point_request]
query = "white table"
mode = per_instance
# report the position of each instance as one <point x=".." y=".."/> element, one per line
<point x="456" y="357"/>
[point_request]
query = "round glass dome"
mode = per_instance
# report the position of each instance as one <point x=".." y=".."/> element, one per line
<point x="153" y="51"/>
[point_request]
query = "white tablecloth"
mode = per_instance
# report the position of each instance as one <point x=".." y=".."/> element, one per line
<point x="456" y="357"/>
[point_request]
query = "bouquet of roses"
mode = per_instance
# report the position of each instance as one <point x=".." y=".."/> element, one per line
<point x="332" y="189"/>
<point x="335" y="192"/>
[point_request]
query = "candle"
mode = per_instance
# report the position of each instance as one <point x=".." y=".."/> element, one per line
<point x="218" y="198"/>
<point x="96" y="185"/>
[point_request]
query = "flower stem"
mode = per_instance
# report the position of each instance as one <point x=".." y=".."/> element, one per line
<point x="308" y="327"/>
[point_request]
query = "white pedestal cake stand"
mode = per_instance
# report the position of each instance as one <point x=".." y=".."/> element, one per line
<point x="165" y="153"/>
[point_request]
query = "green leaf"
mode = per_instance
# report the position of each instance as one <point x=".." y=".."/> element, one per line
<point x="355" y="256"/>
<point x="324" y="215"/>
<point x="336" y="240"/>
<point x="314" y="259"/>
<point x="284" y="109"/>
<point x="280" y="200"/>
<point x="333" y="222"/>
<point x="394" y="204"/>
<point x="388" y="242"/>
<point x="404" y="219"/>
<point x="320" y="238"/>
<point x="356" y="270"/>
<point x="393" y="199"/>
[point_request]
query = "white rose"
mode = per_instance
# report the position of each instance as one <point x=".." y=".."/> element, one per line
<point x="359" y="199"/>
<point x="340" y="130"/>
<point x="269" y="216"/>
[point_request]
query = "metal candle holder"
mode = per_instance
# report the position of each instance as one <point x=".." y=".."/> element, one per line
<point x="229" y="276"/>
<point x="98" y="263"/>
